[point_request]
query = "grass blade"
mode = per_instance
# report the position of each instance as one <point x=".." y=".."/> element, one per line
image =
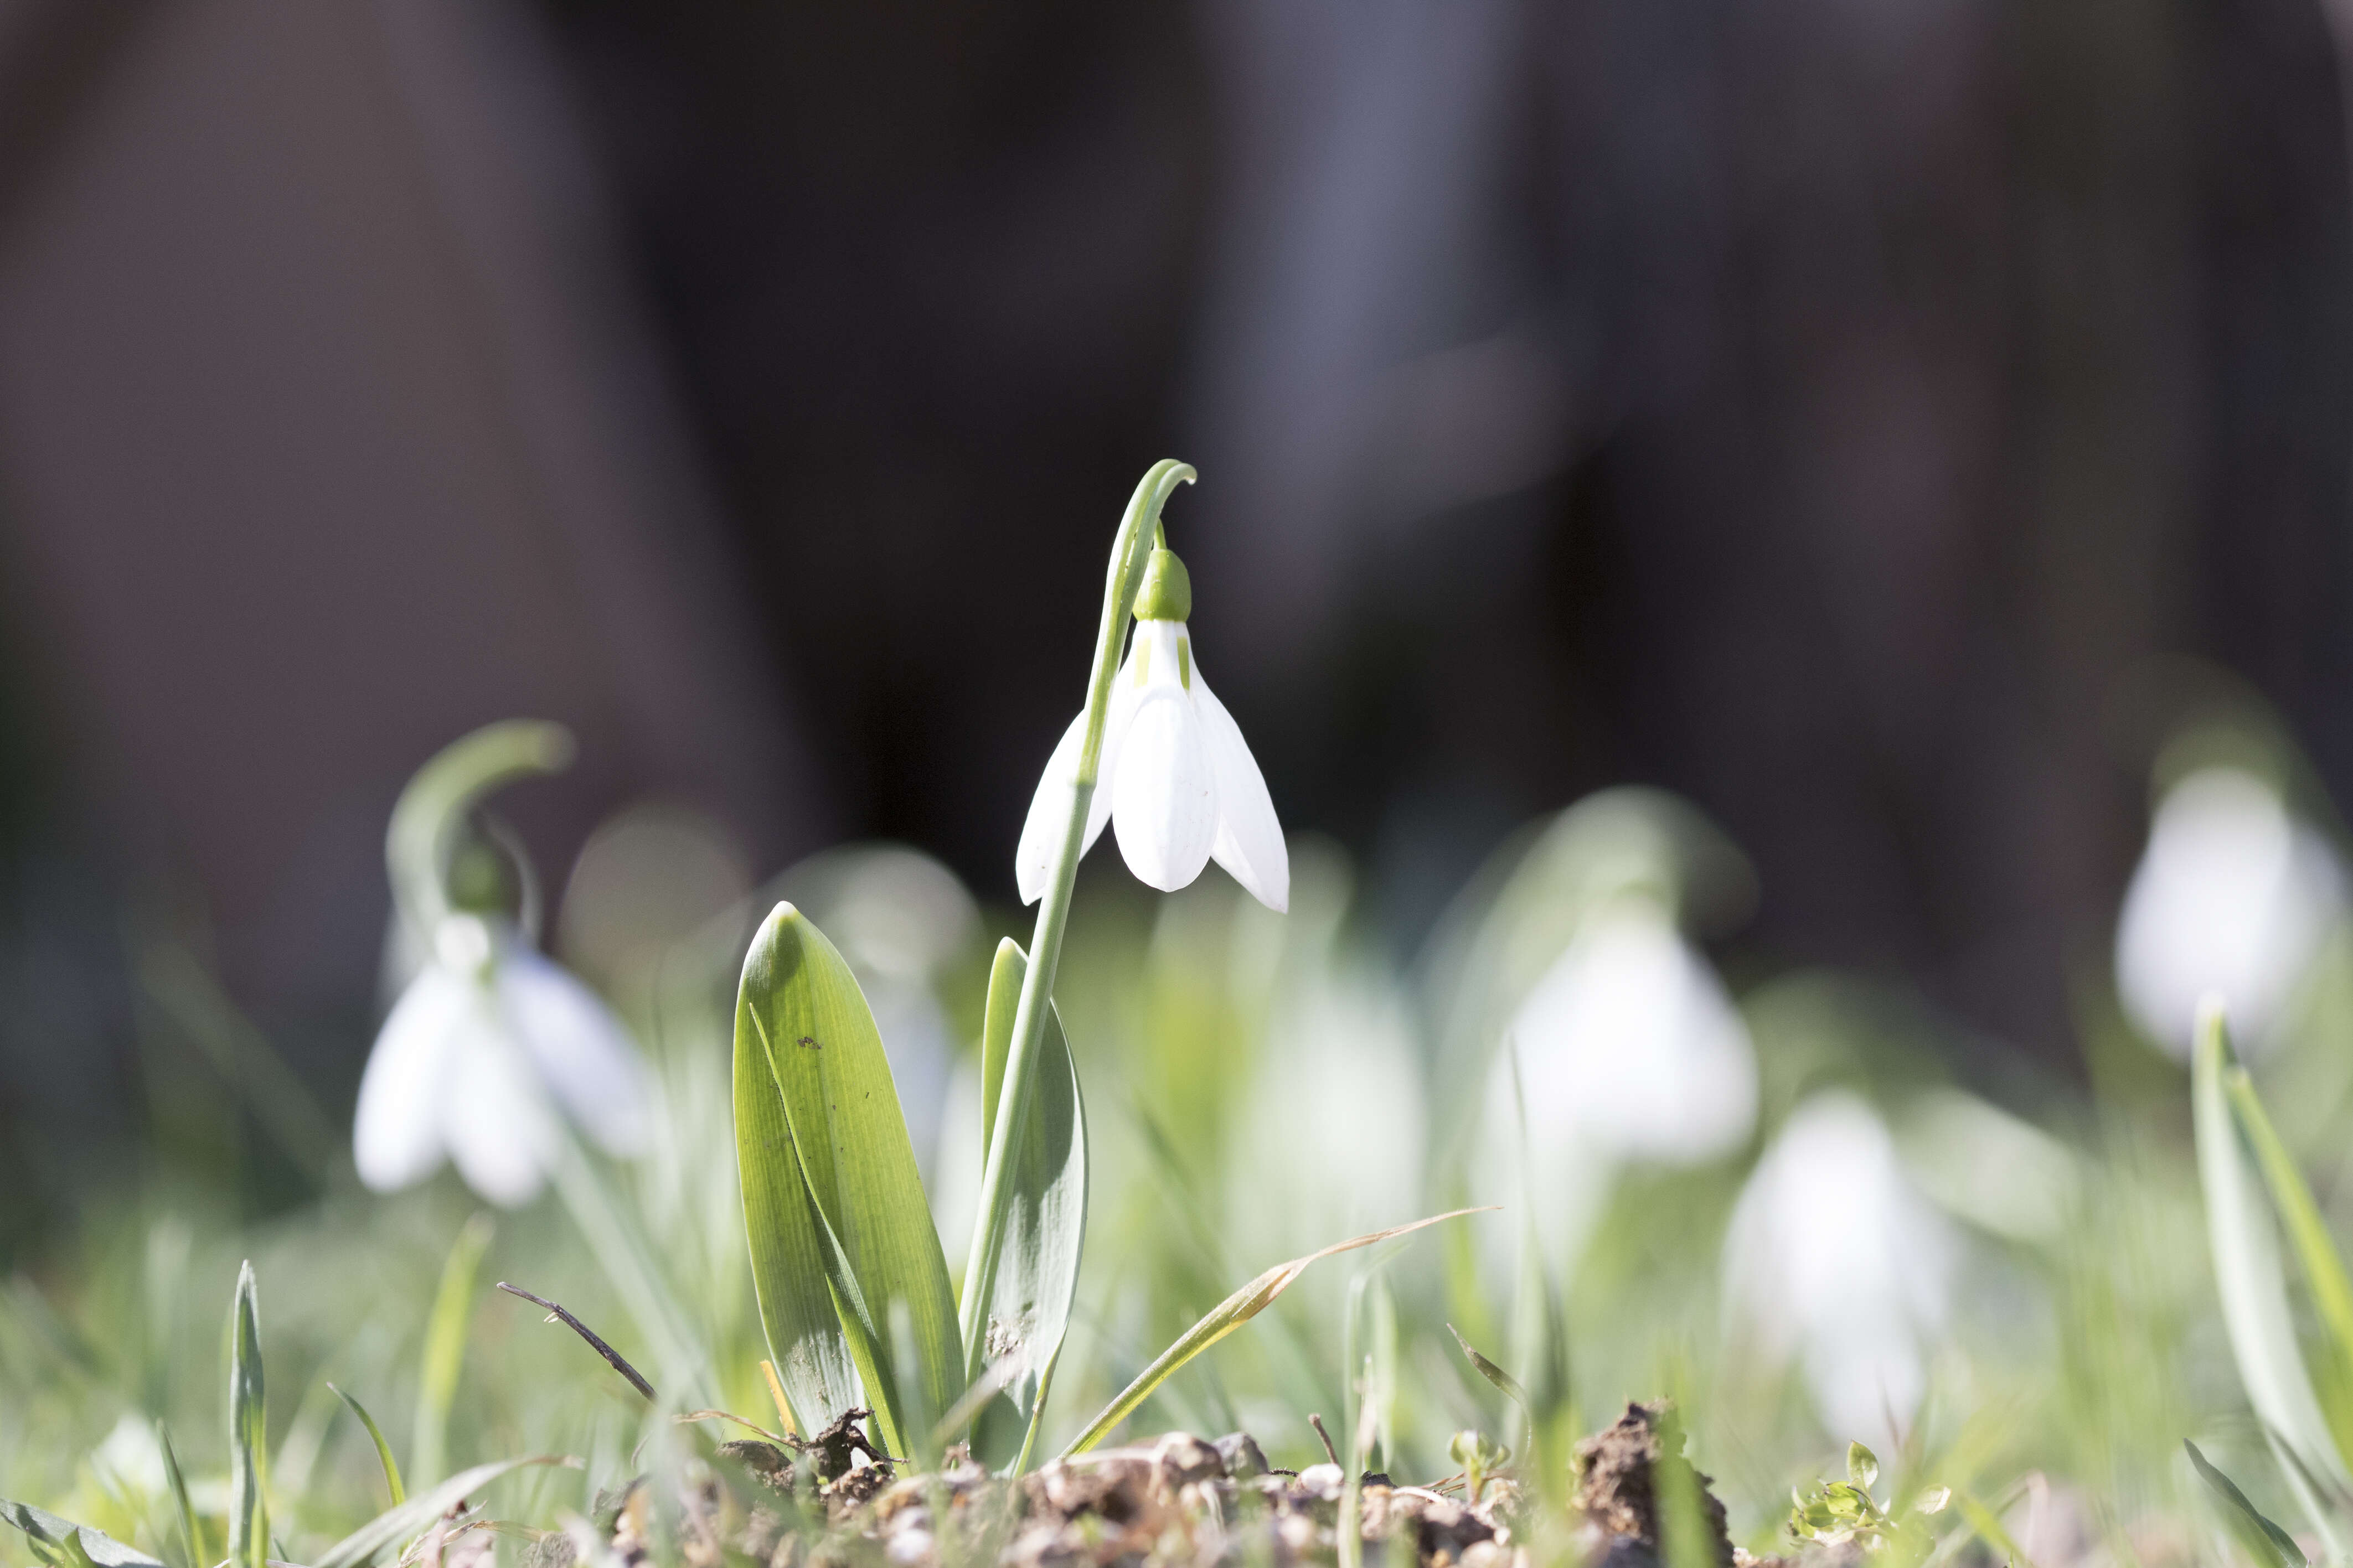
<point x="1222" y="1319"/>
<point x="1504" y="1381"/>
<point x="2307" y="1234"/>
<point x="382" y="1449"/>
<point x="445" y="1350"/>
<point x="248" y="1514"/>
<point x="1038" y="1270"/>
<point x="184" y="1513"/>
<point x="398" y="1523"/>
<point x="52" y="1536"/>
<point x="2262" y="1540"/>
<point x="2247" y="1269"/>
<point x="833" y="1205"/>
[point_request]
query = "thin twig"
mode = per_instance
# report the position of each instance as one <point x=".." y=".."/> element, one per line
<point x="614" y="1357"/>
<point x="793" y="1443"/>
<point x="1317" y="1422"/>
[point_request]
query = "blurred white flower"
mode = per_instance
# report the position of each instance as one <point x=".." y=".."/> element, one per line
<point x="1629" y="1042"/>
<point x="2231" y="895"/>
<point x="1835" y="1259"/>
<point x="1626" y="1048"/>
<point x="1176" y="779"/>
<point x="485" y="1048"/>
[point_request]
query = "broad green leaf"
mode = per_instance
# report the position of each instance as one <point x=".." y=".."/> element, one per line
<point x="431" y="811"/>
<point x="248" y="1516"/>
<point x="445" y="1350"/>
<point x="52" y="1537"/>
<point x="2262" y="1540"/>
<point x="382" y="1449"/>
<point x="832" y="1200"/>
<point x="1038" y="1273"/>
<point x="1222" y="1319"/>
<point x="398" y="1523"/>
<point x="2247" y="1269"/>
<point x="184" y="1513"/>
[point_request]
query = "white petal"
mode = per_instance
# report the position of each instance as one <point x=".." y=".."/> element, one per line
<point x="1050" y="809"/>
<point x="502" y="1131"/>
<point x="396" y="1131"/>
<point x="1249" y="841"/>
<point x="1165" y="799"/>
<point x="2232" y="895"/>
<point x="581" y="1051"/>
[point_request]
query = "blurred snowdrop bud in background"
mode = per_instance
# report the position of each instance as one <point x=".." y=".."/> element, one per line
<point x="651" y="880"/>
<point x="1628" y="1043"/>
<point x="901" y="918"/>
<point x="1834" y="1259"/>
<point x="487" y="1045"/>
<point x="2232" y="894"/>
<point x="1610" y="1038"/>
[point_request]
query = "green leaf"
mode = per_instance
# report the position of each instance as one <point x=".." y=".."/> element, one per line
<point x="50" y="1535"/>
<point x="398" y="1523"/>
<point x="248" y="1448"/>
<point x="382" y="1449"/>
<point x="431" y="811"/>
<point x="2247" y="1269"/>
<point x="445" y="1350"/>
<point x="1222" y="1319"/>
<point x="2262" y="1540"/>
<point x="184" y="1513"/>
<point x="2307" y="1233"/>
<point x="1862" y="1465"/>
<point x="1037" y="1272"/>
<point x="833" y="1205"/>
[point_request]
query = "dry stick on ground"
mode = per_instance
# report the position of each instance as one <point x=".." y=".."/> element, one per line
<point x="611" y="1355"/>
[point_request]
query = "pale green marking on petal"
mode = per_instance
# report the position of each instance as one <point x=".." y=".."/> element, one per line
<point x="1143" y="660"/>
<point x="1184" y="661"/>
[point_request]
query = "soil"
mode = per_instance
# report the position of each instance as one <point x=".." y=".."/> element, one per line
<point x="837" y="1504"/>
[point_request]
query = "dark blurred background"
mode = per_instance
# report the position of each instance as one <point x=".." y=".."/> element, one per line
<point x="1854" y="414"/>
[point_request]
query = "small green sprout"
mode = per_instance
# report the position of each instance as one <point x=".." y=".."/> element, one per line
<point x="1839" y="1512"/>
<point x="1479" y="1457"/>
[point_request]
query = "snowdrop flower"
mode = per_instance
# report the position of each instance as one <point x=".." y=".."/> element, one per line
<point x="486" y="1047"/>
<point x="2231" y="895"/>
<point x="1177" y="780"/>
<point x="1836" y="1260"/>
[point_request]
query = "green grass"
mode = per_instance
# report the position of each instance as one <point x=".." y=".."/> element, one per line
<point x="1257" y="1087"/>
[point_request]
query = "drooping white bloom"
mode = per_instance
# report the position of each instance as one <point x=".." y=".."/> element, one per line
<point x="489" y="1045"/>
<point x="1177" y="780"/>
<point x="1835" y="1258"/>
<point x="2231" y="895"/>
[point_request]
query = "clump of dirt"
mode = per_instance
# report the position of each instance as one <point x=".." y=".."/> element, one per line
<point x="1178" y="1500"/>
<point x="1620" y="1471"/>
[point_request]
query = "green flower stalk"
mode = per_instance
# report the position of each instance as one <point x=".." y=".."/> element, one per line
<point x="1153" y="715"/>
